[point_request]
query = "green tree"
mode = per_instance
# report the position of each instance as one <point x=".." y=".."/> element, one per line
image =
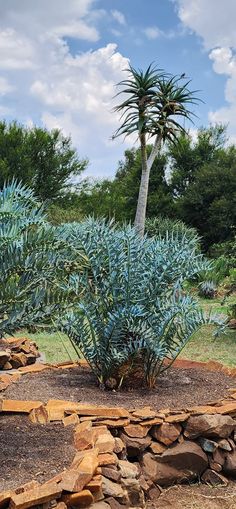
<point x="128" y="178"/>
<point x="154" y="107"/>
<point x="203" y="181"/>
<point x="188" y="157"/>
<point x="117" y="198"/>
<point x="44" y="160"/>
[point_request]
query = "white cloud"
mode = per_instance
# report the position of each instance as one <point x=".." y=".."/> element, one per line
<point x="152" y="32"/>
<point x="55" y="86"/>
<point x="214" y="22"/>
<point x="119" y="17"/>
<point x="5" y="86"/>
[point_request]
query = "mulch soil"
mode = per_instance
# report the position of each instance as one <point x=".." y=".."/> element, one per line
<point x="176" y="388"/>
<point x="32" y="451"/>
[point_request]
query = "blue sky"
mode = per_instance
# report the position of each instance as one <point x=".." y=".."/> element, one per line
<point x="60" y="60"/>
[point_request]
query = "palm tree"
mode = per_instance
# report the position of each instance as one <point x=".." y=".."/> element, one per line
<point x="155" y="106"/>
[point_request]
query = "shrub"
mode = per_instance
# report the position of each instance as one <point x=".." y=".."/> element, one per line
<point x="131" y="311"/>
<point x="57" y="215"/>
<point x="33" y="261"/>
<point x="207" y="290"/>
<point x="164" y="226"/>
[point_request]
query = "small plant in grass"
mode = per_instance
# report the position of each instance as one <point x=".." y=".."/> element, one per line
<point x="207" y="290"/>
<point x="131" y="312"/>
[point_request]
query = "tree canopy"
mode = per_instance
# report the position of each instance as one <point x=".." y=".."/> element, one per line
<point x="44" y="160"/>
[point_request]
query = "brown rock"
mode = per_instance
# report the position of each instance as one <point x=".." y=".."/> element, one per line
<point x="228" y="408"/>
<point x="39" y="415"/>
<point x="84" y="440"/>
<point x="229" y="466"/>
<point x="5" y="356"/>
<point x="3" y="385"/>
<point x="101" y="505"/>
<point x="5" y="499"/>
<point x="74" y="480"/>
<point x="83" y="426"/>
<point x="70" y="420"/>
<point x="95" y="484"/>
<point x="111" y="489"/>
<point x="153" y="492"/>
<point x="14" y="405"/>
<point x="151" y="422"/>
<point x="18" y="360"/>
<point x="82" y="499"/>
<point x="215" y="466"/>
<point x="56" y="408"/>
<point x="7" y="366"/>
<point x="136" y="431"/>
<point x="111" y="473"/>
<point x="103" y="412"/>
<point x="105" y="442"/>
<point x="135" y="492"/>
<point x="107" y="459"/>
<point x="31" y="358"/>
<point x="119" y="445"/>
<point x="157" y="448"/>
<point x="202" y="410"/>
<point x="135" y="445"/>
<point x="37" y="496"/>
<point x="177" y="418"/>
<point x="27" y="487"/>
<point x="89" y="462"/>
<point x="144" y="413"/>
<point x="214" y="478"/>
<point x="119" y="423"/>
<point x="166" y="433"/>
<point x="61" y="505"/>
<point x="100" y="430"/>
<point x="182" y="462"/>
<point x="114" y="504"/>
<point x="219" y="456"/>
<point x="225" y="445"/>
<point x="212" y="426"/>
<point x="127" y="469"/>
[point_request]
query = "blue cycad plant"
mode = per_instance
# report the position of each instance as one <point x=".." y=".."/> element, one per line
<point x="33" y="262"/>
<point x="131" y="311"/>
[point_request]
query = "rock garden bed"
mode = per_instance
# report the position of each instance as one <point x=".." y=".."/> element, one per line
<point x="176" y="388"/>
<point x="122" y="453"/>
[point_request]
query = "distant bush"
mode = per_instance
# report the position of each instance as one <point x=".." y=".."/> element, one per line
<point x="57" y="215"/>
<point x="164" y="226"/>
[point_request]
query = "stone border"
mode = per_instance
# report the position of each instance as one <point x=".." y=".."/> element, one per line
<point x="124" y="457"/>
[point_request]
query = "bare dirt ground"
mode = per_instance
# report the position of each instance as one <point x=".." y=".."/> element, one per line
<point x="32" y="451"/>
<point x="196" y="497"/>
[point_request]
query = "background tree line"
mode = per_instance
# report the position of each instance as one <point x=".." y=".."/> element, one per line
<point x="191" y="181"/>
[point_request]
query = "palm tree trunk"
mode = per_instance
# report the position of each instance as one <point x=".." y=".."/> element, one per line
<point x="140" y="216"/>
<point x="155" y="149"/>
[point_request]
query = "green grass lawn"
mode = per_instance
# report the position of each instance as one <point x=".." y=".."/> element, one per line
<point x="202" y="347"/>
